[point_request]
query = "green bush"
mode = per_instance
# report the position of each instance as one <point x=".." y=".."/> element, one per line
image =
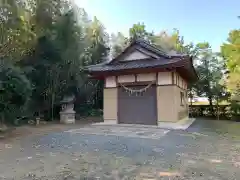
<point x="15" y="90"/>
<point x="235" y="107"/>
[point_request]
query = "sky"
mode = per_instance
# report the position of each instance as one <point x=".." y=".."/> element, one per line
<point x="197" y="21"/>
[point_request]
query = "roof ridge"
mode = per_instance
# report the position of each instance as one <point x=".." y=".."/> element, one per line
<point x="171" y="53"/>
<point x="162" y="52"/>
<point x="148" y="46"/>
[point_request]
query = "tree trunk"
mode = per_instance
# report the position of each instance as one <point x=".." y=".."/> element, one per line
<point x="2" y="120"/>
<point x="3" y="127"/>
<point x="210" y="99"/>
<point x="217" y="108"/>
<point x="52" y="105"/>
<point x="191" y="101"/>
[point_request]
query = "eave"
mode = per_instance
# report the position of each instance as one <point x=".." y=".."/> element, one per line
<point x="185" y="73"/>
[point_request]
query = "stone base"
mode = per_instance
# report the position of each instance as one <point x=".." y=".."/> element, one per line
<point x="67" y="117"/>
<point x="182" y="124"/>
<point x="107" y="122"/>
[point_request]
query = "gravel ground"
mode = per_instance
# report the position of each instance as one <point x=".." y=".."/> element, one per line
<point x="207" y="150"/>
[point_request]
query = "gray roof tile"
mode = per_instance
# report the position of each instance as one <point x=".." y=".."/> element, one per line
<point x="144" y="63"/>
<point x="164" y="59"/>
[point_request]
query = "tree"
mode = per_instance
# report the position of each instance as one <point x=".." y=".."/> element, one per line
<point x="16" y="36"/>
<point x="118" y="43"/>
<point x="57" y="61"/>
<point x="59" y="58"/>
<point x="173" y="42"/>
<point x="50" y="42"/>
<point x="15" y="91"/>
<point x="210" y="68"/>
<point x="99" y="52"/>
<point x="167" y="41"/>
<point x="138" y="31"/>
<point x="23" y="22"/>
<point x="231" y="53"/>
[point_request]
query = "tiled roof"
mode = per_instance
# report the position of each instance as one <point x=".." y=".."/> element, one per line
<point x="157" y="50"/>
<point x="151" y="47"/>
<point x="164" y="59"/>
<point x="135" y="64"/>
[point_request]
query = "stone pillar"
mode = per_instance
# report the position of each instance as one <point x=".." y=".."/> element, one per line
<point x="67" y="115"/>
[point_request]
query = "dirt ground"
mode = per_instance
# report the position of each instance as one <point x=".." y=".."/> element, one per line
<point x="43" y="128"/>
<point x="206" y="150"/>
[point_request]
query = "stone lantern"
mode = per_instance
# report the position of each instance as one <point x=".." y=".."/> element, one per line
<point x="67" y="114"/>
